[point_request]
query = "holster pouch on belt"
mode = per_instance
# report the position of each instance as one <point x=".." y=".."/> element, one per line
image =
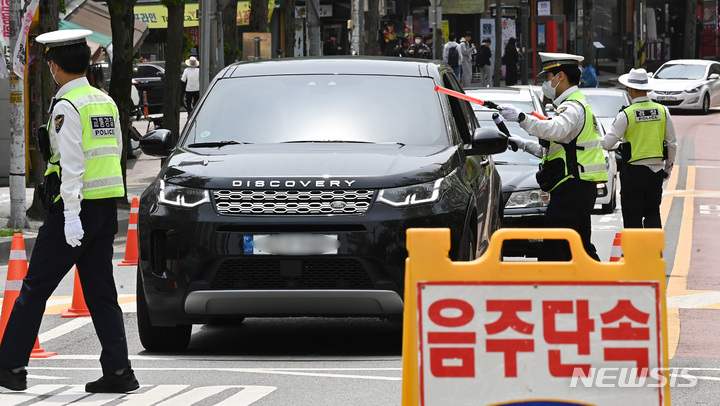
<point x="550" y="173"/>
<point x="49" y="190"/>
<point x="43" y="139"/>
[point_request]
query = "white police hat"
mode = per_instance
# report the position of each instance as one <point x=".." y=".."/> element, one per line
<point x="636" y="79"/>
<point x="61" y="38"/>
<point x="550" y="60"/>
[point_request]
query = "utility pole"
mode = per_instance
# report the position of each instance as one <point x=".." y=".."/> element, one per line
<point x="356" y="47"/>
<point x="498" y="43"/>
<point x="436" y="24"/>
<point x="314" y="40"/>
<point x="17" y="219"/>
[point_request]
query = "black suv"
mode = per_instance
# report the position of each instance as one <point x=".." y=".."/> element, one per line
<point x="291" y="188"/>
<point x="149" y="77"/>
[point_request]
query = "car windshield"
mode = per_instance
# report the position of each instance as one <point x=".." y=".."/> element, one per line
<point x="511" y="157"/>
<point x="605" y="105"/>
<point x="320" y="108"/>
<point x="680" y="71"/>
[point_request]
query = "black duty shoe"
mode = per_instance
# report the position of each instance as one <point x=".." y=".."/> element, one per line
<point x="113" y="383"/>
<point x="13" y="380"/>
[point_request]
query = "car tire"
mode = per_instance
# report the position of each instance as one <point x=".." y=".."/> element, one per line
<point x="468" y="246"/>
<point x="159" y="338"/>
<point x="705" y="104"/>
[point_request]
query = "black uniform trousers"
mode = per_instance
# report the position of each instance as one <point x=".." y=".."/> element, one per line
<point x="51" y="260"/>
<point x="640" y="196"/>
<point x="570" y="206"/>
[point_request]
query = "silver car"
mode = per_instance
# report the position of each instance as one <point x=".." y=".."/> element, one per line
<point x="691" y="84"/>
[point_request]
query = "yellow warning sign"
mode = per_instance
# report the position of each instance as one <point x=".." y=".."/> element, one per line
<point x="581" y="332"/>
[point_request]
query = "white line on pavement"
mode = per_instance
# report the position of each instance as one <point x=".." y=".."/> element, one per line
<point x="64" y="329"/>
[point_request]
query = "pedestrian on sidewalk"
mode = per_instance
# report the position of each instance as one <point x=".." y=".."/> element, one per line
<point x="85" y="143"/>
<point x="467" y="48"/>
<point x="589" y="77"/>
<point x="191" y="78"/>
<point x="483" y="63"/>
<point x="510" y="59"/>
<point x="643" y="127"/>
<point x="452" y="54"/>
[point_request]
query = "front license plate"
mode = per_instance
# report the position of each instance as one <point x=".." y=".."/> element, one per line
<point x="666" y="98"/>
<point x="290" y="244"/>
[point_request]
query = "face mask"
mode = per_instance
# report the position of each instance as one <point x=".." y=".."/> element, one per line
<point x="548" y="89"/>
<point x="418" y="41"/>
<point x="53" y="74"/>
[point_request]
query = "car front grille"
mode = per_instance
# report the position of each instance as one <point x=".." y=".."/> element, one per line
<point x="293" y="202"/>
<point x="669" y="102"/>
<point x="668" y="93"/>
<point x="275" y="273"/>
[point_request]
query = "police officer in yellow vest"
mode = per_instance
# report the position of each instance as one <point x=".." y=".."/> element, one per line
<point x="85" y="144"/>
<point x="572" y="157"/>
<point x="643" y="126"/>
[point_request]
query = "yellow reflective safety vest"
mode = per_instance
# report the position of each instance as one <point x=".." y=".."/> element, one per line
<point x="646" y="130"/>
<point x="103" y="174"/>
<point x="583" y="157"/>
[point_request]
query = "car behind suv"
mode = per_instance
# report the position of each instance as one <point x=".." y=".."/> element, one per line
<point x="149" y="77"/>
<point x="290" y="190"/>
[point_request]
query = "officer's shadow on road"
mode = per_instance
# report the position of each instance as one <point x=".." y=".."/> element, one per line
<point x="300" y="336"/>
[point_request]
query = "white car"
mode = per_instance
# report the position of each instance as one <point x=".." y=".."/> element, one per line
<point x="692" y="84"/>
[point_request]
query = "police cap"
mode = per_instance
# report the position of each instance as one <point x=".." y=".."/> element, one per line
<point x="550" y="60"/>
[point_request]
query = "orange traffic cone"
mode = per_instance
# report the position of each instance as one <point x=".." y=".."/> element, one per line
<point x="78" y="308"/>
<point x="616" y="253"/>
<point x="131" y="245"/>
<point x="17" y="269"/>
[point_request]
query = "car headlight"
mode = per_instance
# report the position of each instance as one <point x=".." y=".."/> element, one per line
<point x="410" y="195"/>
<point x="527" y="199"/>
<point x="181" y="196"/>
<point x="693" y="89"/>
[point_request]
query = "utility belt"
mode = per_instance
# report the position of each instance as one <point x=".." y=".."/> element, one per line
<point x="550" y="174"/>
<point x="623" y="154"/>
<point x="49" y="190"/>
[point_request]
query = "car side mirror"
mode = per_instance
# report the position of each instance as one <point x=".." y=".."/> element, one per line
<point x="714" y="76"/>
<point x="160" y="74"/>
<point x="488" y="141"/>
<point x="157" y="143"/>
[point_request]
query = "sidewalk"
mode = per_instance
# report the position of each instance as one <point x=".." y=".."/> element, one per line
<point x="140" y="172"/>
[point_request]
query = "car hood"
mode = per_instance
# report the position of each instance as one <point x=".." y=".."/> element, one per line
<point x="319" y="166"/>
<point x="517" y="177"/>
<point x="669" y="85"/>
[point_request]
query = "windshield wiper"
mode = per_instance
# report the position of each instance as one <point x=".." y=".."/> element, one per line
<point x="216" y="144"/>
<point x="343" y="141"/>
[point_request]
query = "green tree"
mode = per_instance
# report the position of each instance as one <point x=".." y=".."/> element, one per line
<point x="229" y="24"/>
<point x="48" y="11"/>
<point x="290" y="28"/>
<point x="122" y="24"/>
<point x="258" y="15"/>
<point x="173" y="60"/>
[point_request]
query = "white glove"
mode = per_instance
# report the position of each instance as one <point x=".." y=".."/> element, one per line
<point x="509" y="112"/>
<point x="516" y="143"/>
<point x="73" y="228"/>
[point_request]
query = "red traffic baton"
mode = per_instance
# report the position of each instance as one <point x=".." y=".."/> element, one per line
<point x="486" y="103"/>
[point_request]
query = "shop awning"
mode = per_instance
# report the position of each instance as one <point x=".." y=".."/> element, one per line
<point x="95" y="17"/>
<point x="96" y="37"/>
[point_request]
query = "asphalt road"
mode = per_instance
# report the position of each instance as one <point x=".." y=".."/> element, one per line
<point x="316" y="361"/>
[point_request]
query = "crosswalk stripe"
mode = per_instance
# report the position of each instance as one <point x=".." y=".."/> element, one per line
<point x="242" y="398"/>
<point x="63" y="329"/>
<point x="76" y="392"/>
<point x="248" y="395"/>
<point x="16" y="398"/>
<point x="153" y="395"/>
